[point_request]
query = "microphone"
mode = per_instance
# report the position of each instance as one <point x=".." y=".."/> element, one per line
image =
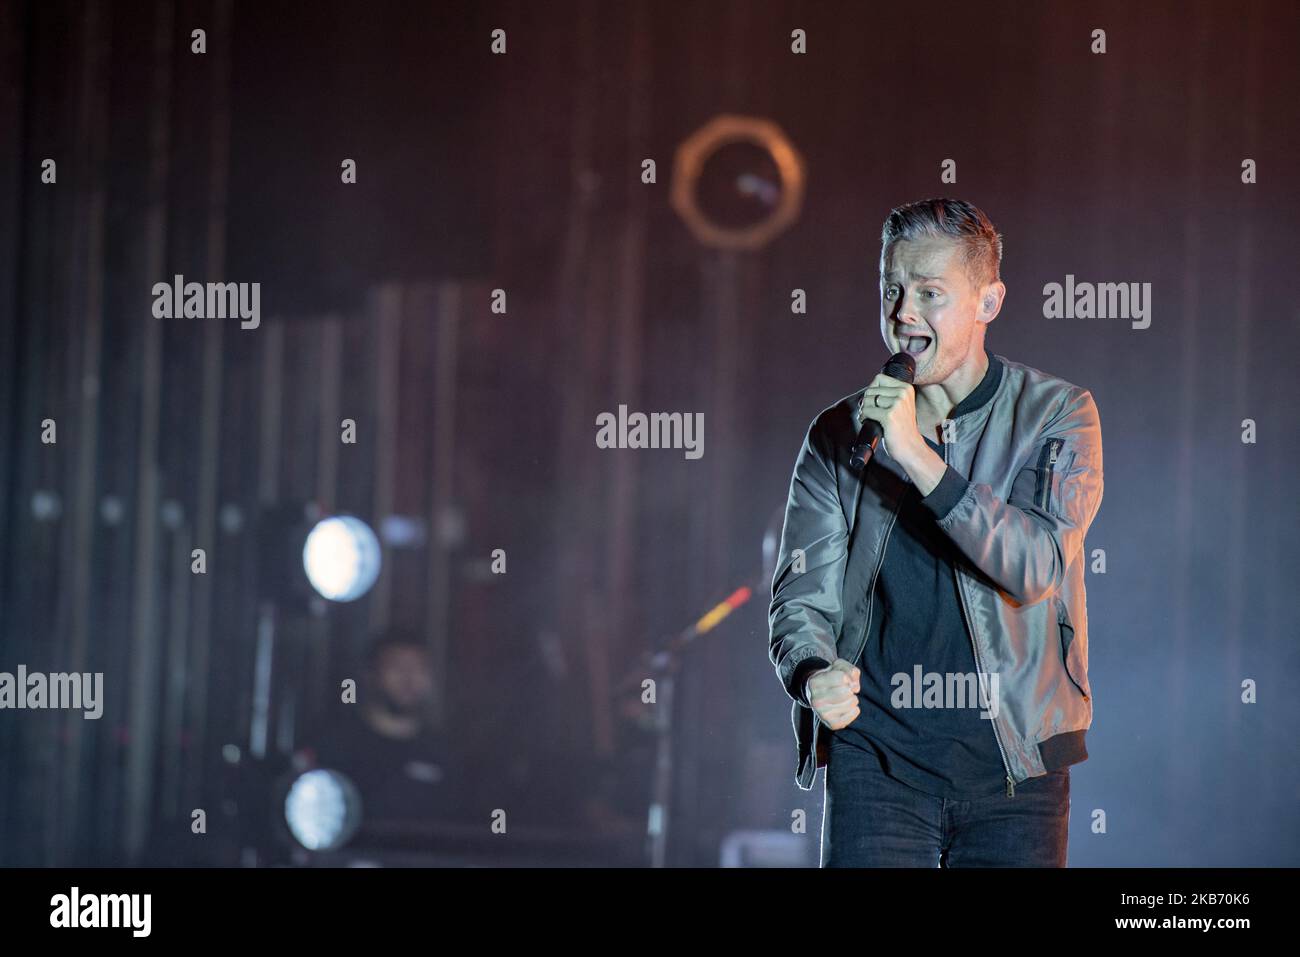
<point x="902" y="367"/>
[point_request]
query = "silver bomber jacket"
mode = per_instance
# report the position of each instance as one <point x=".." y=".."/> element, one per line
<point x="1024" y="483"/>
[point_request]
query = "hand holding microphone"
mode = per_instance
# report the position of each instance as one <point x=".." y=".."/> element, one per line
<point x="889" y="406"/>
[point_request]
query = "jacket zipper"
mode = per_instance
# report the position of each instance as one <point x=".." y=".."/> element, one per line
<point x="871" y="589"/>
<point x="1011" y="784"/>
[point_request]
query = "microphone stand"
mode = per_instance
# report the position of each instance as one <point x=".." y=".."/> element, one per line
<point x="665" y="663"/>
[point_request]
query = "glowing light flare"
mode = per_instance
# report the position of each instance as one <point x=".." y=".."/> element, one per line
<point x="341" y="558"/>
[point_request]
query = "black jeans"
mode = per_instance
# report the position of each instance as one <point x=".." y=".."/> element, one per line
<point x="871" y="820"/>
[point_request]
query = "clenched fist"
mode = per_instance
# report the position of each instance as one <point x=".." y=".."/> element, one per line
<point x="833" y="694"/>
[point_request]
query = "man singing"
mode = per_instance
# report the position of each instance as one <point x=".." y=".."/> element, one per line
<point x="954" y="561"/>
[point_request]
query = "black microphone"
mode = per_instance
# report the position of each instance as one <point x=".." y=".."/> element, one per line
<point x="902" y="367"/>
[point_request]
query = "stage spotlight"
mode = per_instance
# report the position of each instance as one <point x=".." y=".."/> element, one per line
<point x="322" y="809"/>
<point x="341" y="558"/>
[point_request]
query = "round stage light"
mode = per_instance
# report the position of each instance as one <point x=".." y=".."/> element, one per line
<point x="738" y="182"/>
<point x="322" y="809"/>
<point x="341" y="558"/>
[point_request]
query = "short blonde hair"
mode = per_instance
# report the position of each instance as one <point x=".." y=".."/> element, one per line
<point x="950" y="219"/>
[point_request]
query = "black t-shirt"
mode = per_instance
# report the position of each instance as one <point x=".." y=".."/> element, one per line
<point x="410" y="780"/>
<point x="917" y="620"/>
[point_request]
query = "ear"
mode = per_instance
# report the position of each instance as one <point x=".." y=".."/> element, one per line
<point x="991" y="297"/>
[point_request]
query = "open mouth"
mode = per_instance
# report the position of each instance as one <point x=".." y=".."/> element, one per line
<point x="915" y="345"/>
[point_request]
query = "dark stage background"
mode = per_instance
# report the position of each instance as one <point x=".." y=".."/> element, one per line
<point x="523" y="172"/>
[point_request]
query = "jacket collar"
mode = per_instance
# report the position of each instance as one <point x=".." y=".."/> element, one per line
<point x="984" y="392"/>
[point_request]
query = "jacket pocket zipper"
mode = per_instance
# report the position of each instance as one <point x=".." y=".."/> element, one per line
<point x="1046" y="466"/>
<point x="1063" y="622"/>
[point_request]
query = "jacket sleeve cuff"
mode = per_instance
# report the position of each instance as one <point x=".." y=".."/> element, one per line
<point x="946" y="494"/>
<point x="802" y="672"/>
